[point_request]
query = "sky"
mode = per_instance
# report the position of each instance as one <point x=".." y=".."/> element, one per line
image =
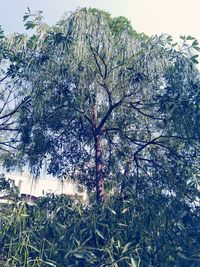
<point x="174" y="17"/>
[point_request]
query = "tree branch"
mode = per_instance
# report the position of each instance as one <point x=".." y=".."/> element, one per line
<point x="147" y="115"/>
<point x="16" y="109"/>
<point x="7" y="75"/>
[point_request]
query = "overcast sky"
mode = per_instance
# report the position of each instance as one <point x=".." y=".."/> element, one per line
<point x="175" y="17"/>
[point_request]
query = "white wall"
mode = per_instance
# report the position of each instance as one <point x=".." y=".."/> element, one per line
<point x="41" y="186"/>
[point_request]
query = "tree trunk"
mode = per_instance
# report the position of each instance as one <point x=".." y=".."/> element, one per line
<point x="100" y="194"/>
<point x="99" y="169"/>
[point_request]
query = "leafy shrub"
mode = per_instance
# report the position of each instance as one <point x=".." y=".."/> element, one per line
<point x="154" y="231"/>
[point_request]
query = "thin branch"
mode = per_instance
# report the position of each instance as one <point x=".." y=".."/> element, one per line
<point x="111" y="129"/>
<point x="5" y="77"/>
<point x="105" y="65"/>
<point x="95" y="58"/>
<point x="108" y="92"/>
<point x="150" y="161"/>
<point x="84" y="114"/>
<point x="111" y="108"/>
<point x="145" y="145"/>
<point x="16" y="109"/>
<point x="147" y="115"/>
<point x="107" y="115"/>
<point x="7" y="145"/>
<point x="7" y="151"/>
<point x="5" y="102"/>
<point x="9" y="129"/>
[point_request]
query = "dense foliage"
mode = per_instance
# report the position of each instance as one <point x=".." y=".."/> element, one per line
<point x="156" y="231"/>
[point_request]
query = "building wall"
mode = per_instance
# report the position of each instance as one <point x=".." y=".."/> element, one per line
<point x="41" y="186"/>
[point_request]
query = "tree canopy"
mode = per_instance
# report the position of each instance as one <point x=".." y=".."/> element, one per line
<point x="107" y="105"/>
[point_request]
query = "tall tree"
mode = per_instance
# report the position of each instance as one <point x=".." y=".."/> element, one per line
<point x="108" y="104"/>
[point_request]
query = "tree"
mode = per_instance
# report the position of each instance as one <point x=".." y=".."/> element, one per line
<point x="108" y="105"/>
<point x="11" y="101"/>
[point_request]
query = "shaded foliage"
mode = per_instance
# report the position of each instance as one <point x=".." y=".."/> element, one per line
<point x="154" y="231"/>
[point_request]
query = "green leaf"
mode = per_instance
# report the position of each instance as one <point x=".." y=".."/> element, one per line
<point x="29" y="25"/>
<point x="118" y="243"/>
<point x="133" y="263"/>
<point x="189" y="38"/>
<point x="78" y="255"/>
<point x="25" y="17"/>
<point x="111" y="210"/>
<point x="183" y="37"/>
<point x="195" y="43"/>
<point x="125" y="249"/>
<point x="99" y="234"/>
<point x="124" y="210"/>
<point x="174" y="44"/>
<point x="1" y="33"/>
<point x="169" y="38"/>
<point x="194" y="59"/>
<point x="196" y="48"/>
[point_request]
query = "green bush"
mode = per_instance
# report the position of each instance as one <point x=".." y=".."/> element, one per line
<point x="157" y="230"/>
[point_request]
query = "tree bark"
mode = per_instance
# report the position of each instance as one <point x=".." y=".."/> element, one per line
<point x="97" y="133"/>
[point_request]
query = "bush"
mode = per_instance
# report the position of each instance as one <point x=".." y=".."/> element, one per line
<point x="154" y="231"/>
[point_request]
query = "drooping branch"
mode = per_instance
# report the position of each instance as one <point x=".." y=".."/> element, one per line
<point x="145" y="114"/>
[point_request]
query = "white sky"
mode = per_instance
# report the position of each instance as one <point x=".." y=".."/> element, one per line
<point x="175" y="17"/>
